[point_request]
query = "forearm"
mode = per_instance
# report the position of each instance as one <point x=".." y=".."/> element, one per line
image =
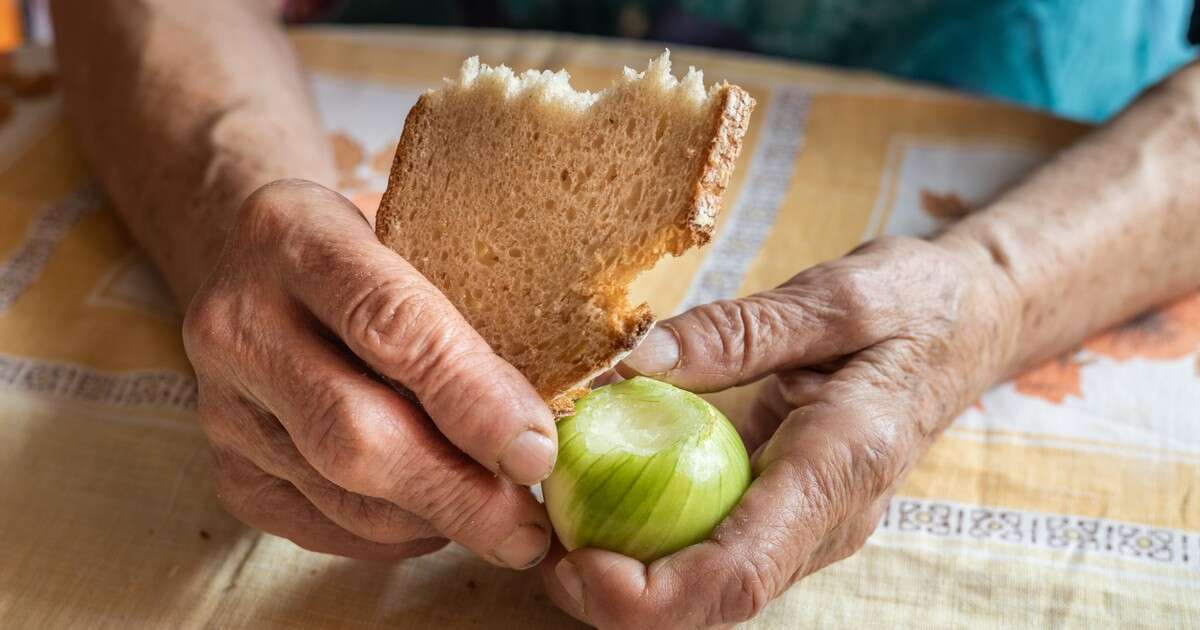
<point x="1106" y="230"/>
<point x="183" y="109"/>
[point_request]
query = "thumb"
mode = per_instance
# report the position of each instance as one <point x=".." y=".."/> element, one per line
<point x="733" y="342"/>
<point x="598" y="586"/>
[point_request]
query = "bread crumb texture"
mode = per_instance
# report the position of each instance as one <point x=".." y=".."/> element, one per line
<point x="532" y="206"/>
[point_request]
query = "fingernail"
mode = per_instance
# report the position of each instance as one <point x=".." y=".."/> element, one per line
<point x="525" y="547"/>
<point x="572" y="583"/>
<point x="657" y="354"/>
<point x="529" y="458"/>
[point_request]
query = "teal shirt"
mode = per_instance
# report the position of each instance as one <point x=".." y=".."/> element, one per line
<point x="1084" y="59"/>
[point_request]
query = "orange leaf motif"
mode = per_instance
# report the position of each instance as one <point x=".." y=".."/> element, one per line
<point x="1171" y="332"/>
<point x="351" y="183"/>
<point x="381" y="162"/>
<point x="1052" y="381"/>
<point x="347" y="152"/>
<point x="368" y="202"/>
<point x="944" y="206"/>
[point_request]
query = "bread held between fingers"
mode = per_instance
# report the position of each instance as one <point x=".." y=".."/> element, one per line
<point x="533" y="206"/>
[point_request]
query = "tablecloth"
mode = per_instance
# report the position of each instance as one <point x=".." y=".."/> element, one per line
<point x="1069" y="497"/>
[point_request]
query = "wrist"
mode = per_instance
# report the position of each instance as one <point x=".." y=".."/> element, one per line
<point x="181" y="208"/>
<point x="997" y="303"/>
<point x="186" y="243"/>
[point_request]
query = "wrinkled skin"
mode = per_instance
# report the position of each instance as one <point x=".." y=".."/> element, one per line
<point x="311" y="446"/>
<point x="866" y="359"/>
<point x="292" y="302"/>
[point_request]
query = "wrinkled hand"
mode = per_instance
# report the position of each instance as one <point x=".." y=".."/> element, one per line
<point x="869" y="357"/>
<point x="308" y="444"/>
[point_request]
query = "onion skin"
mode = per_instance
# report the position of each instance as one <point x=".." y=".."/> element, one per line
<point x="644" y="469"/>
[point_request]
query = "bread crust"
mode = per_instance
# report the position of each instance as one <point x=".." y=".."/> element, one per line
<point x="385" y="218"/>
<point x="731" y="118"/>
<point x="729" y="121"/>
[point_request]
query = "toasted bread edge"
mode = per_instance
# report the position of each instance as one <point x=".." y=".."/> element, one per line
<point x="730" y="121"/>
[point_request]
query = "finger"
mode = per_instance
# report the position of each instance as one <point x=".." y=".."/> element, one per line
<point x="822" y="467"/>
<point x="766" y="413"/>
<point x="798" y="388"/>
<point x="261" y="439"/>
<point x="555" y="586"/>
<point x="608" y="590"/>
<point x="818" y="316"/>
<point x="396" y="321"/>
<point x="276" y="507"/>
<point x="355" y="432"/>
<point x="730" y="343"/>
<point x="779" y="395"/>
<point x="717" y="582"/>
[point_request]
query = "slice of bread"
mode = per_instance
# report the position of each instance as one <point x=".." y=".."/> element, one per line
<point x="532" y="206"/>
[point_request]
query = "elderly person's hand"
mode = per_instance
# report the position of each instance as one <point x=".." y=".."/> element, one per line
<point x="866" y="359"/>
<point x="309" y="445"/>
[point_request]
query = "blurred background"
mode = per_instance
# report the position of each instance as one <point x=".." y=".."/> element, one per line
<point x="1064" y="498"/>
<point x="1082" y="59"/>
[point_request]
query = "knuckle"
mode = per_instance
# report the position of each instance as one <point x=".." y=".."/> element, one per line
<point x="265" y="212"/>
<point x="874" y="463"/>
<point x="855" y="297"/>
<point x="221" y="330"/>
<point x="340" y="446"/>
<point x="400" y="325"/>
<point x="861" y="465"/>
<point x="741" y="328"/>
<point x="852" y="292"/>
<point x="747" y="589"/>
<point x="462" y="379"/>
<point x="375" y="519"/>
<point x="268" y="217"/>
<point x="234" y="491"/>
<point x="206" y="327"/>
<point x="457" y="507"/>
<point x="826" y="484"/>
<point x="215" y="423"/>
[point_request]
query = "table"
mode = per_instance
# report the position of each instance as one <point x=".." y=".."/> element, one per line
<point x="1070" y="496"/>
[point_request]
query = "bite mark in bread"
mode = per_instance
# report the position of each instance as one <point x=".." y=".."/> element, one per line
<point x="533" y="206"/>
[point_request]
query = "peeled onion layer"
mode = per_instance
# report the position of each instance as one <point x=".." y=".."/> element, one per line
<point x="644" y="469"/>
